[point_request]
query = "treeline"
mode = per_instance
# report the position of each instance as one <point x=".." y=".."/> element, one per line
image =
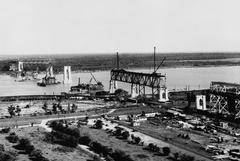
<point x="108" y="61"/>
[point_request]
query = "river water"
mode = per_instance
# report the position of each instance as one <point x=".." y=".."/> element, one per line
<point x="177" y="78"/>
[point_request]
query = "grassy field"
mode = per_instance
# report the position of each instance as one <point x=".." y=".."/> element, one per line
<point x="53" y="152"/>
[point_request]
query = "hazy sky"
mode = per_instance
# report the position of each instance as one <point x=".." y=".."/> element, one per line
<point x="105" y="26"/>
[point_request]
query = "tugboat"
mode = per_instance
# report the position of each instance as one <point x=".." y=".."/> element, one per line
<point x="49" y="79"/>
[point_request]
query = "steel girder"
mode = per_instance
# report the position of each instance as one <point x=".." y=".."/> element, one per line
<point x="221" y="92"/>
<point x="219" y="104"/>
<point x="144" y="79"/>
<point x="237" y="107"/>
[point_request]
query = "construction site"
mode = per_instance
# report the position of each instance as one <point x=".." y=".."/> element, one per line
<point x="199" y="124"/>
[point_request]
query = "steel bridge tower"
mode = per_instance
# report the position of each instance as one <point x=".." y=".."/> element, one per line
<point x="225" y="98"/>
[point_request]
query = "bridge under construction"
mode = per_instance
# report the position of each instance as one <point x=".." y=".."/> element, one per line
<point x="225" y="98"/>
<point x="139" y="81"/>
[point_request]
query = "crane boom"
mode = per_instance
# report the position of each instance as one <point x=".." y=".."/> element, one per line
<point x="94" y="77"/>
<point x="160" y="65"/>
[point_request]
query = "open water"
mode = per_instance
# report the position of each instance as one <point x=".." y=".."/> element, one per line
<point x="177" y="78"/>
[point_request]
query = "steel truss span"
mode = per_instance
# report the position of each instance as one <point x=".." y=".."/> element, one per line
<point x="139" y="81"/>
<point x="154" y="80"/>
<point x="225" y="98"/>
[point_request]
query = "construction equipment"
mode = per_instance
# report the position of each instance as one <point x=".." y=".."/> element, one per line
<point x="155" y="71"/>
<point x="49" y="79"/>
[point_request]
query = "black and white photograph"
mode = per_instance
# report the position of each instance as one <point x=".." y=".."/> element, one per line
<point x="119" y="80"/>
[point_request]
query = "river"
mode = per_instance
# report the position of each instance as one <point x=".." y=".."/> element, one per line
<point x="177" y="78"/>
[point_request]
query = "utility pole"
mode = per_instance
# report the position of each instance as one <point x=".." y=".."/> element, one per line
<point x="154" y="58"/>
<point x="117" y="61"/>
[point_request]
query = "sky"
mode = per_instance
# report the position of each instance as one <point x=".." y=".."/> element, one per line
<point x="107" y="26"/>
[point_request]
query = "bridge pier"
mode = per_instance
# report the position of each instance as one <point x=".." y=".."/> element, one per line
<point x="134" y="90"/>
<point x="163" y="94"/>
<point x="112" y="86"/>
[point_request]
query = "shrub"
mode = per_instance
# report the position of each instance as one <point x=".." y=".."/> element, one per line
<point x="23" y="143"/>
<point x="64" y="139"/>
<point x="176" y="156"/>
<point x="5" y="130"/>
<point x="12" y="138"/>
<point x="125" y="135"/>
<point x="7" y="156"/>
<point x="2" y="149"/>
<point x="29" y="149"/>
<point x="166" y="151"/>
<point x="99" y="124"/>
<point x="85" y="140"/>
<point x="119" y="155"/>
<point x="96" y="158"/>
<point x="96" y="147"/>
<point x="70" y="131"/>
<point x="36" y="155"/>
<point x="137" y="140"/>
<point x="108" y="158"/>
<point x="153" y="148"/>
<point x="185" y="157"/>
<point x="118" y="132"/>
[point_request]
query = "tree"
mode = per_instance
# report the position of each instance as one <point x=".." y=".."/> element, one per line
<point x="2" y="148"/>
<point x="185" y="157"/>
<point x="150" y="146"/>
<point x="118" y="131"/>
<point x="166" y="151"/>
<point x="12" y="138"/>
<point x="99" y="124"/>
<point x="68" y="108"/>
<point x="24" y="144"/>
<point x="125" y="135"/>
<point x="108" y="158"/>
<point x="54" y="108"/>
<point x="85" y="140"/>
<point x="60" y="108"/>
<point x="11" y="110"/>
<point x="176" y="156"/>
<point x="137" y="140"/>
<point x="45" y="107"/>
<point x="7" y="156"/>
<point x="18" y="110"/>
<point x="132" y="136"/>
<point x="74" y="108"/>
<point x="119" y="155"/>
<point x="36" y="155"/>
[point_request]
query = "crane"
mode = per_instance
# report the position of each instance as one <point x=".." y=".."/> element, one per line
<point x="155" y="71"/>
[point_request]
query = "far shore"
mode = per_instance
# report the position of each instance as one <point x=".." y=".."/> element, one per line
<point x="137" y="68"/>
